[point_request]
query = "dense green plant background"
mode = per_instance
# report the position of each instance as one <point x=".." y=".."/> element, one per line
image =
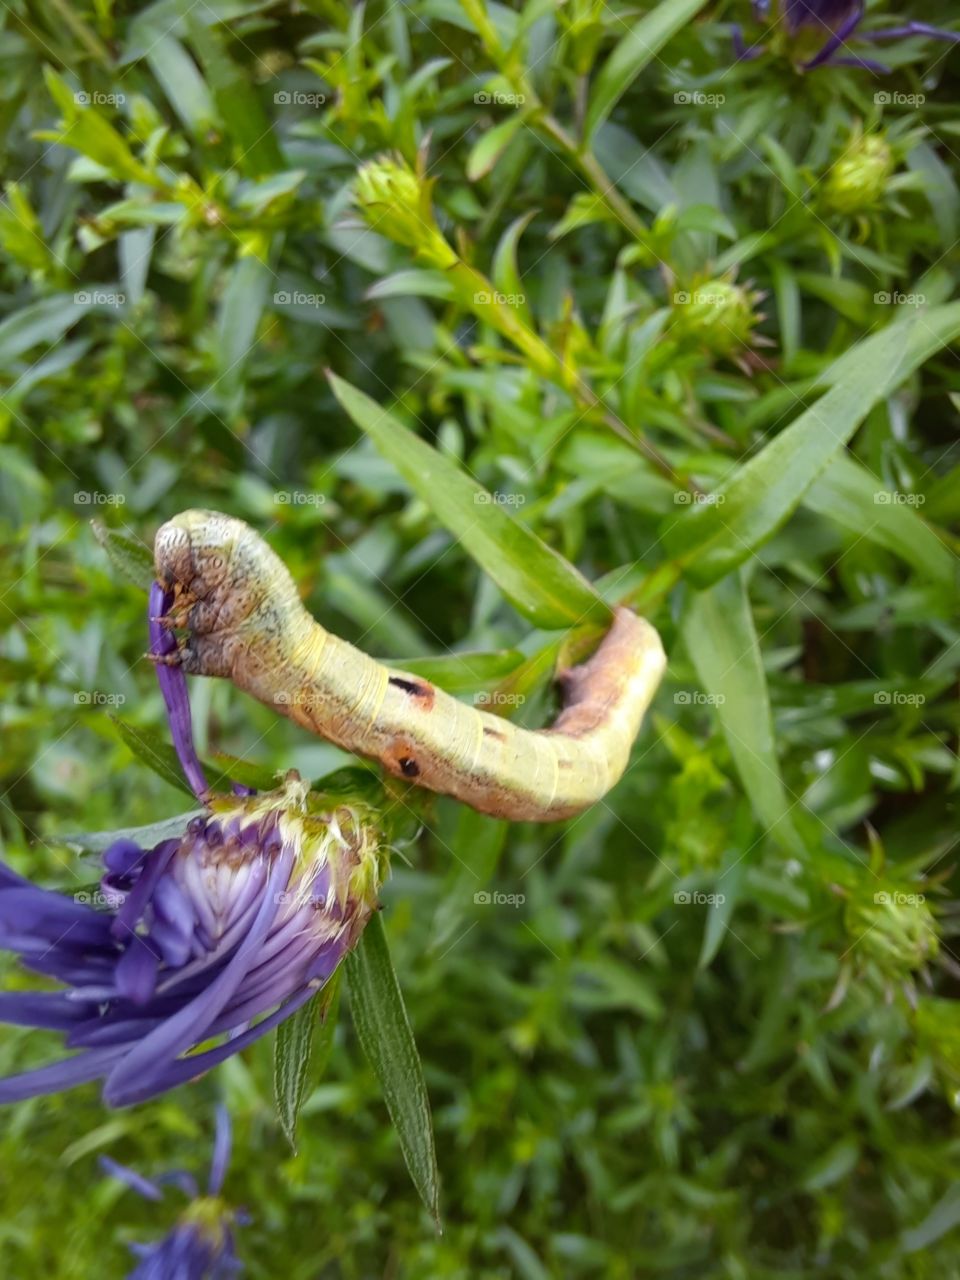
<point x="626" y="1080"/>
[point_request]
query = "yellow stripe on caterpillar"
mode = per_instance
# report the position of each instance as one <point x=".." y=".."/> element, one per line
<point x="246" y="623"/>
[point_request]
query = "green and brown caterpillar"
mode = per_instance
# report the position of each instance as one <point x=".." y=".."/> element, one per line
<point x="245" y="622"/>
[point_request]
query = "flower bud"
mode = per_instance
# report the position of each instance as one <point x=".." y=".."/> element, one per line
<point x="859" y="177"/>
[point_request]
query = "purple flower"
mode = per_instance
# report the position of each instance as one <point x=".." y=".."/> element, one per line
<point x="200" y="1246"/>
<point x="837" y="21"/>
<point x="217" y="935"/>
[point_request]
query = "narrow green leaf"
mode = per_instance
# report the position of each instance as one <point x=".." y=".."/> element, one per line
<point x="183" y="85"/>
<point x="712" y="539"/>
<point x="633" y="52"/>
<point x="720" y="637"/>
<point x="849" y="494"/>
<point x="157" y="754"/>
<point x="301" y="1051"/>
<point x="130" y="557"/>
<point x="728" y="888"/>
<point x="45" y="321"/>
<point x="238" y="103"/>
<point x="147" y="745"/>
<point x="414" y="282"/>
<point x="488" y="149"/>
<point x="542" y="585"/>
<point x="463" y="672"/>
<point x="383" y="1029"/>
<point x="240" y="310"/>
<point x="506" y="273"/>
<point x="943" y="1217"/>
<point x="153" y="833"/>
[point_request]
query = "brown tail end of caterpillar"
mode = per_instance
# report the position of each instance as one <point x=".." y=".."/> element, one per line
<point x="245" y="622"/>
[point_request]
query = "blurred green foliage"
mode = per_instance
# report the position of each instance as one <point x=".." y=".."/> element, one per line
<point x="692" y="325"/>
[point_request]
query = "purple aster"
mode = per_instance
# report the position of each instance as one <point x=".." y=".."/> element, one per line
<point x="215" y="936"/>
<point x="200" y="1246"/>
<point x="837" y="21"/>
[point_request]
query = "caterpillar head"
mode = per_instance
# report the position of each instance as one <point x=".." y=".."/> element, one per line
<point x="220" y="572"/>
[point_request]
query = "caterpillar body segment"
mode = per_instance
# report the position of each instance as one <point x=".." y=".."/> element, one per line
<point x="245" y="622"/>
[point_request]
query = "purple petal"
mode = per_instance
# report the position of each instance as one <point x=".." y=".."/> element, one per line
<point x="137" y="971"/>
<point x="138" y="1074"/>
<point x="173" y="687"/>
<point x="143" y="1186"/>
<point x="221" y="1151"/>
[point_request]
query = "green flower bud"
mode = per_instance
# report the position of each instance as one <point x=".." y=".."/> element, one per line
<point x="894" y="929"/>
<point x="395" y="201"/>
<point x="717" y="314"/>
<point x="860" y="176"/>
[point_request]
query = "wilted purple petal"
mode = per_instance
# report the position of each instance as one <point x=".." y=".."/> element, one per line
<point x="173" y="687"/>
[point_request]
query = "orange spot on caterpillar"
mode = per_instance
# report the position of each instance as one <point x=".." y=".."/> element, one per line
<point x="415" y="689"/>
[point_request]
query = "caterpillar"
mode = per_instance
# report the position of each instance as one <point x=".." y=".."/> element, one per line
<point x="244" y="621"/>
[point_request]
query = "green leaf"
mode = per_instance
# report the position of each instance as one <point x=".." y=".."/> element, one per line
<point x="720" y="637"/>
<point x="301" y="1051"/>
<point x="128" y="555"/>
<point x="84" y="129"/>
<point x="943" y="1217"/>
<point x="849" y="494"/>
<point x="730" y="884"/>
<point x="238" y="103"/>
<point x="183" y="85"/>
<point x="506" y="273"/>
<point x="632" y="53"/>
<point x="157" y="754"/>
<point x="240" y="310"/>
<point x="383" y="1029"/>
<point x="490" y="147"/>
<point x="46" y="321"/>
<point x="544" y="587"/>
<point x="152" y="833"/>
<point x="463" y="672"/>
<point x="713" y="538"/>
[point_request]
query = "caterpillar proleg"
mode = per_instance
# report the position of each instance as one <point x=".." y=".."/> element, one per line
<point x="245" y="622"/>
